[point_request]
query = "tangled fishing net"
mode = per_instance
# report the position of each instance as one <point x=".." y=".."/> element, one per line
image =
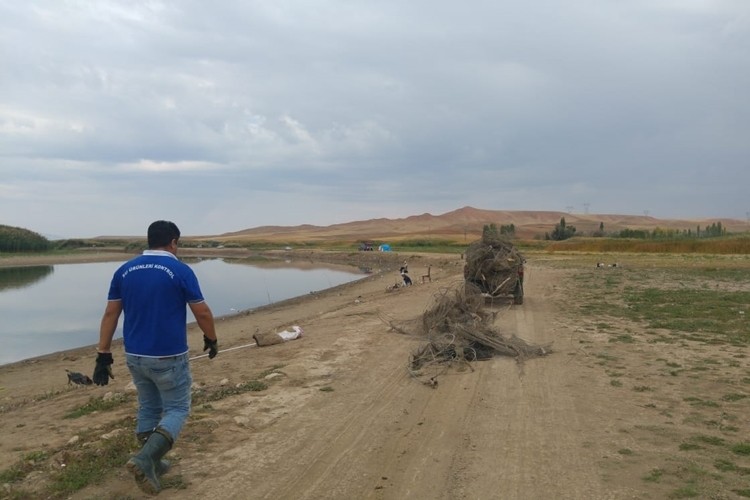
<point x="458" y="329"/>
<point x="493" y="265"/>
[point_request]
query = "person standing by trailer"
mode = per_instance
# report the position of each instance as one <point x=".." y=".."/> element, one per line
<point x="153" y="290"/>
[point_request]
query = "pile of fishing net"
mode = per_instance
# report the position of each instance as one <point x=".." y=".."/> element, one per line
<point x="458" y="328"/>
<point x="493" y="265"/>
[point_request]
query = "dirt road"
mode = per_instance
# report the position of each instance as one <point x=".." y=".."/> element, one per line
<point x="498" y="431"/>
<point x="343" y="419"/>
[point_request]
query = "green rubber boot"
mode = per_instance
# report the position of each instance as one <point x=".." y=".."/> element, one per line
<point x="143" y="464"/>
<point x="162" y="466"/>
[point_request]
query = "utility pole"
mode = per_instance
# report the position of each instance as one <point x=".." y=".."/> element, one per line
<point x="586" y="208"/>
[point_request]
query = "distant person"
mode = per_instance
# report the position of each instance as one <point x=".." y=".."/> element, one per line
<point x="153" y="289"/>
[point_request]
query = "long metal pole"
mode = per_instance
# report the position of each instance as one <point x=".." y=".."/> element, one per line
<point x="225" y="350"/>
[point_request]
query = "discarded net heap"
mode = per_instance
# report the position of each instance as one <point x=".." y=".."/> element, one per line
<point x="459" y="328"/>
<point x="492" y="264"/>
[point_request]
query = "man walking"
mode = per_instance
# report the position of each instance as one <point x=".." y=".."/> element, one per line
<point x="153" y="289"/>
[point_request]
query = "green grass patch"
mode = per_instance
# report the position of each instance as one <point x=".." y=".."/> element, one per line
<point x="20" y="469"/>
<point x="85" y="463"/>
<point x="624" y="338"/>
<point x="92" y="463"/>
<point x="606" y="357"/>
<point x="687" y="491"/>
<point x="712" y="440"/>
<point x="98" y="404"/>
<point x="698" y="402"/>
<point x="47" y="395"/>
<point x="727" y="245"/>
<point x="725" y="465"/>
<point x="741" y="449"/>
<point x="733" y="397"/>
<point x="690" y="446"/>
<point x="202" y="397"/>
<point x="699" y="369"/>
<point x="654" y="475"/>
<point x="729" y="466"/>
<point x="676" y="298"/>
<point x="692" y="311"/>
<point x="273" y="369"/>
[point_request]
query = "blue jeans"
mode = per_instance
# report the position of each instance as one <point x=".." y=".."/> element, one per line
<point x="164" y="392"/>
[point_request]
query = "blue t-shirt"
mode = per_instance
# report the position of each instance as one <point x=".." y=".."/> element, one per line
<point x="154" y="289"/>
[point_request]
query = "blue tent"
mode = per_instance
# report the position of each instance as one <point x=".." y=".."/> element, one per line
<point x="385" y="247"/>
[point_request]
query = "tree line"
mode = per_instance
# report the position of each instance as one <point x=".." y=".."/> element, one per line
<point x="17" y="239"/>
<point x="563" y="231"/>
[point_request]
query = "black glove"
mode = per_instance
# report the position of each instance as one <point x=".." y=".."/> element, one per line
<point x="103" y="369"/>
<point x="212" y="346"/>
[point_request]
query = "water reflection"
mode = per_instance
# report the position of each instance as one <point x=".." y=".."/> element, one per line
<point x="52" y="308"/>
<point x="20" y="277"/>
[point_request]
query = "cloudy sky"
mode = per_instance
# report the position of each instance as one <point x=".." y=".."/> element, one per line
<point x="234" y="114"/>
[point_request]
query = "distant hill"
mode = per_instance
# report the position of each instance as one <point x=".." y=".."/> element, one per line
<point x="465" y="224"/>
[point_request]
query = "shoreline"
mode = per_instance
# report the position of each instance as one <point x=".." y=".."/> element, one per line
<point x="89" y="255"/>
<point x="386" y="264"/>
<point x="27" y="260"/>
<point x="29" y="379"/>
<point x="74" y="352"/>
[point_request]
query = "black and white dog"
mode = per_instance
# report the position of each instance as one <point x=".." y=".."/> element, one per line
<point x="405" y="276"/>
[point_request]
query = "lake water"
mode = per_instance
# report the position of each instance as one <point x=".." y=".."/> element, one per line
<point x="45" y="309"/>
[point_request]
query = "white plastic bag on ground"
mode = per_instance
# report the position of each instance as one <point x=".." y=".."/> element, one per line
<point x="291" y="333"/>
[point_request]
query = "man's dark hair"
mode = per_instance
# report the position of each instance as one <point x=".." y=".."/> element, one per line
<point x="161" y="233"/>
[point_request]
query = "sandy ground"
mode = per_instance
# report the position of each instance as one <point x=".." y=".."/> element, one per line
<point x="343" y="419"/>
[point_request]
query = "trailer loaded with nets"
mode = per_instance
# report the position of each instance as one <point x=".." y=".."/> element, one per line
<point x="495" y="267"/>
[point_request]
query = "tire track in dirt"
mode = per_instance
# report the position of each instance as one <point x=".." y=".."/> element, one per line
<point x="485" y="432"/>
<point x="421" y="459"/>
<point x="488" y="433"/>
<point x="533" y="418"/>
<point x="314" y="447"/>
<point x="495" y="433"/>
<point x="346" y="438"/>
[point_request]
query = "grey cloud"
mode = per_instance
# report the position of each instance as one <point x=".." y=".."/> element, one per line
<point x="347" y="106"/>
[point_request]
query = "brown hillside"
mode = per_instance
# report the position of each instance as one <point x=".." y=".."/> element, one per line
<point x="465" y="224"/>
